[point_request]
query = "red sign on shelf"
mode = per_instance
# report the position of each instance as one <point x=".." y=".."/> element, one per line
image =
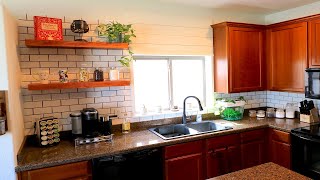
<point x="47" y="28"/>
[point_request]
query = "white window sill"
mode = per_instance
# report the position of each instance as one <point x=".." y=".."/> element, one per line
<point x="167" y="114"/>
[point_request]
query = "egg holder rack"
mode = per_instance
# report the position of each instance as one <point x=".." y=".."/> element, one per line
<point x="82" y="141"/>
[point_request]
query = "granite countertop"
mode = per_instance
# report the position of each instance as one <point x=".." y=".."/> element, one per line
<point x="66" y="152"/>
<point x="264" y="171"/>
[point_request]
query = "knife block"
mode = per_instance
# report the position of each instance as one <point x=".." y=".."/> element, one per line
<point x="312" y="118"/>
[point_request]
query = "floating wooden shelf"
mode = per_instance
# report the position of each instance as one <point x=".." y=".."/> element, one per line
<point x="73" y="85"/>
<point x="74" y="44"/>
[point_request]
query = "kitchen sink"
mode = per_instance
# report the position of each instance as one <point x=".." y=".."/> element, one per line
<point x="183" y="130"/>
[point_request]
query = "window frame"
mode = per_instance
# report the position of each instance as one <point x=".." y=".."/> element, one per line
<point x="169" y="60"/>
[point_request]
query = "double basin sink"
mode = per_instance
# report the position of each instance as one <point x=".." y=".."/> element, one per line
<point x="183" y="130"/>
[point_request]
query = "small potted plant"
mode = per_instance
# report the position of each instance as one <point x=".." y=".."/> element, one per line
<point x="231" y="109"/>
<point x="116" y="32"/>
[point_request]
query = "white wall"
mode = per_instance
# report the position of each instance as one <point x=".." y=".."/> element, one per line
<point x="162" y="28"/>
<point x="294" y="13"/>
<point x="15" y="119"/>
<point x="3" y="62"/>
<point x="10" y="142"/>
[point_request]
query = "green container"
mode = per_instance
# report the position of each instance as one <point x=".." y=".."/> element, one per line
<point x="232" y="111"/>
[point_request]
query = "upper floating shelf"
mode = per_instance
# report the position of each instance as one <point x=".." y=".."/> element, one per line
<point x="74" y="44"/>
<point x="72" y="85"/>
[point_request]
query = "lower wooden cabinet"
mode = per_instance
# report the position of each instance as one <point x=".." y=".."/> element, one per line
<point x="253" y="148"/>
<point x="184" y="161"/>
<point x="185" y="167"/>
<point x="74" y="171"/>
<point x="280" y="148"/>
<point x="222" y="155"/>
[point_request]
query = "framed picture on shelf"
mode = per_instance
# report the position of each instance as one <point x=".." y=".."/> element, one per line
<point x="46" y="28"/>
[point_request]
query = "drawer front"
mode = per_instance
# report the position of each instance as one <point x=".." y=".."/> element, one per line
<point x="183" y="149"/>
<point x="281" y="136"/>
<point x="223" y="141"/>
<point x="69" y="171"/>
<point x="254" y="135"/>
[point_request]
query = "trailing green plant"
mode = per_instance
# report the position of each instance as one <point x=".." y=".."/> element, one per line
<point x="117" y="32"/>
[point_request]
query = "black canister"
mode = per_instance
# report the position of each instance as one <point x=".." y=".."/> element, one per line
<point x="106" y="125"/>
<point x="98" y="75"/>
<point x="90" y="122"/>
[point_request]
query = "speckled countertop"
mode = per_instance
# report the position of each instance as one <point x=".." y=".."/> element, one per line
<point x="264" y="171"/>
<point x="65" y="152"/>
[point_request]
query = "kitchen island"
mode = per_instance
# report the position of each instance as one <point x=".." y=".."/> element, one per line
<point x="264" y="171"/>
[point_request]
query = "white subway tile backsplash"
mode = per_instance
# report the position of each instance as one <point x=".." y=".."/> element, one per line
<point x="69" y="102"/>
<point x="102" y="99"/>
<point x="39" y="57"/>
<point x="48" y="50"/>
<point x="107" y="58"/>
<point x="40" y="111"/>
<point x="66" y="51"/>
<point x="86" y="101"/>
<point x="49" y="64"/>
<point x="41" y="97"/>
<point x="61" y="109"/>
<point x="99" y="52"/>
<point x="57" y="57"/>
<point x="83" y="51"/>
<point x="116" y="98"/>
<point x="75" y="58"/>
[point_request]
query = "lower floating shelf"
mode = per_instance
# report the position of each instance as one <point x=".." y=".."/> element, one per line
<point x="73" y="85"/>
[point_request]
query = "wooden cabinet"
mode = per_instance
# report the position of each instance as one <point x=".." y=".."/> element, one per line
<point x="184" y="161"/>
<point x="253" y="148"/>
<point x="222" y="155"/>
<point x="74" y="171"/>
<point x="238" y="57"/>
<point x="287" y="56"/>
<point x="314" y="43"/>
<point x="280" y="148"/>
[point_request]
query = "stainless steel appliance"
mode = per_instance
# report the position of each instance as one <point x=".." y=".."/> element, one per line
<point x="142" y="165"/>
<point x="90" y="122"/>
<point x="312" y="83"/>
<point x="305" y="144"/>
<point x="76" y="124"/>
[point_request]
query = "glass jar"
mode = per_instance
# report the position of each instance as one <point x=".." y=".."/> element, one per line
<point x="270" y="113"/>
<point x="280" y="113"/>
<point x="261" y="114"/>
<point x="252" y="113"/>
<point x="290" y="110"/>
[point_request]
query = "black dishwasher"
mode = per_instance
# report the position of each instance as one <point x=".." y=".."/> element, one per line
<point x="142" y="165"/>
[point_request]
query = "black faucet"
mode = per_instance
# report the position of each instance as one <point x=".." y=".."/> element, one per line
<point x="184" y="116"/>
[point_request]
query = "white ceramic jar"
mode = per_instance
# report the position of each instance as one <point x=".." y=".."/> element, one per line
<point x="113" y="74"/>
<point x="280" y="113"/>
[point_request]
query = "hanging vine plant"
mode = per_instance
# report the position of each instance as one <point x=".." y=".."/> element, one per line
<point x="116" y="32"/>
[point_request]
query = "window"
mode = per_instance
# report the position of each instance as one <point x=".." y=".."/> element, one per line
<point x="166" y="81"/>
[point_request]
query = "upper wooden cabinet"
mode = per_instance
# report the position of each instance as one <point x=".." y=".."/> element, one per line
<point x="287" y="56"/>
<point x="314" y="43"/>
<point x="238" y="57"/>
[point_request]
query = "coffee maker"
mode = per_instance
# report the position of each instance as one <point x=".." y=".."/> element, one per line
<point x="90" y="123"/>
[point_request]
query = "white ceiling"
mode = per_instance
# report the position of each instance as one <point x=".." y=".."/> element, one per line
<point x="250" y="6"/>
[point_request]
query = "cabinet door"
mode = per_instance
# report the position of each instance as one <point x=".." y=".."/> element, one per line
<point x="234" y="158"/>
<point x="223" y="160"/>
<point x="314" y="43"/>
<point x="185" y="167"/>
<point x="253" y="153"/>
<point x="287" y="57"/>
<point x="217" y="162"/>
<point x="246" y="59"/>
<point x="79" y="170"/>
<point x="281" y="153"/>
